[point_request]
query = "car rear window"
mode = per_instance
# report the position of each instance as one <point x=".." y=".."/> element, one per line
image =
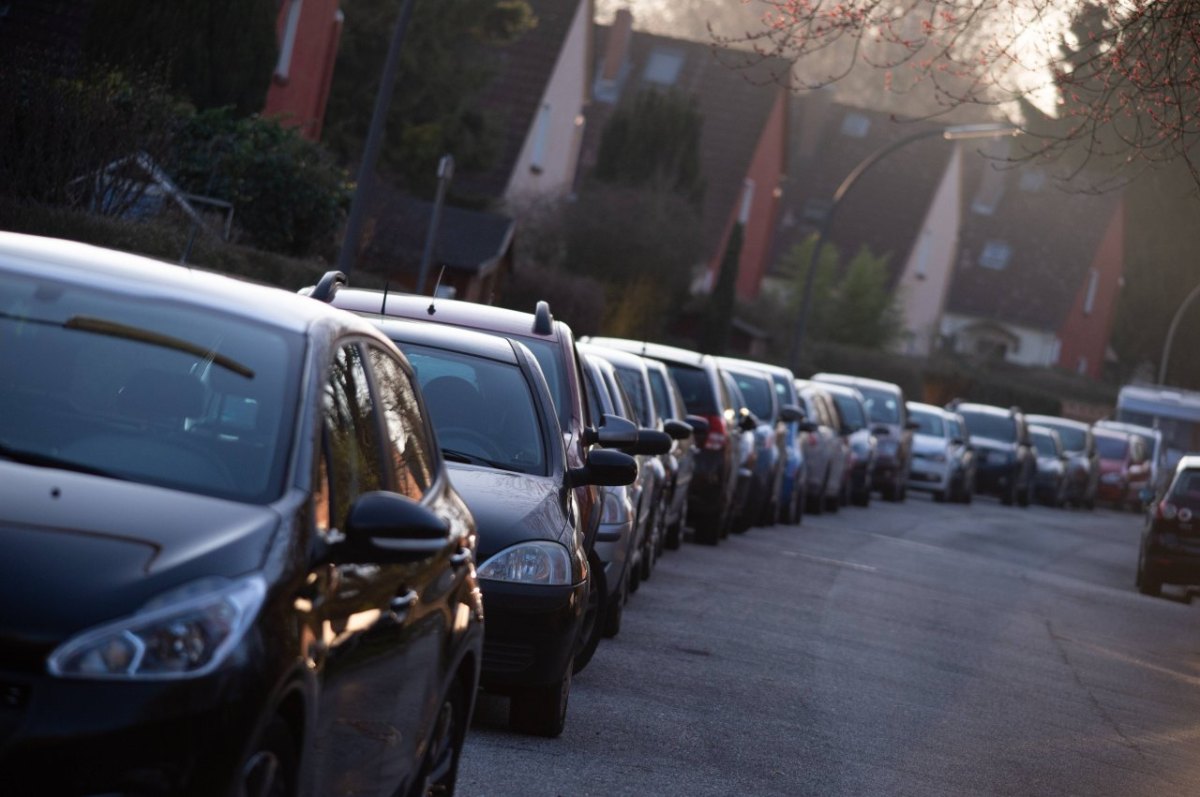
<point x="1185" y="491"/>
<point x="1044" y="444"/>
<point x="986" y="424"/>
<point x="756" y="390"/>
<point x="696" y="389"/>
<point x="1109" y="447"/>
<point x="156" y="392"/>
<point x="928" y="423"/>
<point x="1073" y="439"/>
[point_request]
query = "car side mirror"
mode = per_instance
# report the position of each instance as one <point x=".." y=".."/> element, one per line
<point x="699" y="428"/>
<point x="808" y="426"/>
<point x="747" y="422"/>
<point x="789" y="413"/>
<point x="677" y="430"/>
<point x="614" y="432"/>
<point x="389" y="528"/>
<point x="880" y="431"/>
<point x="604" y="468"/>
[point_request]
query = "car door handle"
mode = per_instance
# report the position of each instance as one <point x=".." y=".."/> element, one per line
<point x="400" y="604"/>
<point x="460" y="558"/>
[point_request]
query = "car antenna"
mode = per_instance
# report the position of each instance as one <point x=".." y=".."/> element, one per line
<point x="432" y="308"/>
<point x="387" y="283"/>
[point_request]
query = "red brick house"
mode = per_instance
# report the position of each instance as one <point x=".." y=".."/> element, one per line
<point x="308" y="35"/>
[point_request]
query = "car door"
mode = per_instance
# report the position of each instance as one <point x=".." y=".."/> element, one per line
<point x="367" y="662"/>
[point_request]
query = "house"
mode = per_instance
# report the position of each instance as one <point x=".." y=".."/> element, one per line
<point x="743" y="155"/>
<point x="308" y="33"/>
<point x="906" y="206"/>
<point x="536" y="100"/>
<point x="1038" y="271"/>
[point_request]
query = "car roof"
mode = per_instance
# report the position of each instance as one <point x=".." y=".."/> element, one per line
<point x="744" y="367"/>
<point x="855" y="381"/>
<point x="767" y="367"/>
<point x="618" y="357"/>
<point x="447" y="311"/>
<point x="1122" y="426"/>
<point x="467" y="341"/>
<point x="929" y="408"/>
<point x="154" y="279"/>
<point x="983" y="409"/>
<point x="1055" y="420"/>
<point x="658" y="351"/>
<point x="843" y="390"/>
<point x="1038" y="428"/>
<point x="1188" y="462"/>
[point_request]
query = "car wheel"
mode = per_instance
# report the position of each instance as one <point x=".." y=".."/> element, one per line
<point x="833" y="502"/>
<point x="439" y="770"/>
<point x="270" y="768"/>
<point x="674" y="534"/>
<point x="939" y="496"/>
<point x="707" y="530"/>
<point x="1146" y="582"/>
<point x="615" y="610"/>
<point x="594" y="614"/>
<point x="541" y="710"/>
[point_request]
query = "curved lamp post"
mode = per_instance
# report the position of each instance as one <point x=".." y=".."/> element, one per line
<point x="954" y="133"/>
<point x="1166" y="355"/>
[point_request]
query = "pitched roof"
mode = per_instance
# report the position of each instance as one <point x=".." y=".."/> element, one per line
<point x="473" y="241"/>
<point x="734" y="104"/>
<point x="886" y="207"/>
<point x="1038" y="241"/>
<point x="521" y="71"/>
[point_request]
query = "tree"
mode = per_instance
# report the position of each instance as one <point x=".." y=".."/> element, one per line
<point x="653" y="138"/>
<point x="444" y="64"/>
<point x="216" y="53"/>
<point x="1124" y="77"/>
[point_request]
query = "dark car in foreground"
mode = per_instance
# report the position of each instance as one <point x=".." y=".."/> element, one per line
<point x="1050" y="483"/>
<point x="232" y="554"/>
<point x="500" y="437"/>
<point x="1170" y="547"/>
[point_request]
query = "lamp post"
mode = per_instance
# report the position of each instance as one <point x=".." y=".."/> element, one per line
<point x="954" y="133"/>
<point x="366" y="170"/>
<point x="1166" y="355"/>
<point x="445" y="174"/>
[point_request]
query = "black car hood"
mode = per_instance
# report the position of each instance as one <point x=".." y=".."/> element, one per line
<point x="80" y="550"/>
<point x="511" y="507"/>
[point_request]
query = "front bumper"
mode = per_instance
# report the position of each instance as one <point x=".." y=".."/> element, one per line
<point x="925" y="474"/>
<point x="530" y="635"/>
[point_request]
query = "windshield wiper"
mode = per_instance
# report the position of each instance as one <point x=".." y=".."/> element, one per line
<point x="47" y="461"/>
<point x="471" y="459"/>
<point x="113" y="329"/>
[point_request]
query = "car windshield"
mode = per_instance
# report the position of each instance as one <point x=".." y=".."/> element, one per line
<point x="160" y="392"/>
<point x="1185" y="491"/>
<point x="1073" y="439"/>
<point x="696" y="389"/>
<point x="987" y="424"/>
<point x="1109" y="447"/>
<point x="1044" y="444"/>
<point x="635" y="389"/>
<point x="851" y="410"/>
<point x="882" y="406"/>
<point x="928" y="423"/>
<point x="660" y="393"/>
<point x="483" y="410"/>
<point x="756" y="390"/>
<point x="784" y="388"/>
<point x="549" y="356"/>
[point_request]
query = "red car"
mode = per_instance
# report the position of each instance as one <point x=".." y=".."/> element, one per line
<point x="1124" y="468"/>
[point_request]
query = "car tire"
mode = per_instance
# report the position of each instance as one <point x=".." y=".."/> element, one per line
<point x="1147" y="584"/>
<point x="615" y="610"/>
<point x="439" y="769"/>
<point x="594" y="614"/>
<point x="674" y="536"/>
<point x="833" y="503"/>
<point x="541" y="710"/>
<point x="707" y="530"/>
<point x="271" y="766"/>
<point x="939" y="496"/>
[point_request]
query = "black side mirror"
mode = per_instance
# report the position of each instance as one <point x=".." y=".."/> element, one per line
<point x="790" y="412"/>
<point x="699" y="429"/>
<point x="388" y="527"/>
<point x="677" y="430"/>
<point x="880" y="431"/>
<point x="604" y="468"/>
<point x="808" y="426"/>
<point x="747" y="422"/>
<point x="614" y="432"/>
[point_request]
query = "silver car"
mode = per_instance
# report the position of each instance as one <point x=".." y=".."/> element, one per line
<point x="932" y="458"/>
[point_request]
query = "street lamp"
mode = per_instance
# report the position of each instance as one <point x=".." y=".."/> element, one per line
<point x="954" y="133"/>
<point x="1166" y="355"/>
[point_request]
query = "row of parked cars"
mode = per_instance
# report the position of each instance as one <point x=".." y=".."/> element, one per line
<point x="271" y="543"/>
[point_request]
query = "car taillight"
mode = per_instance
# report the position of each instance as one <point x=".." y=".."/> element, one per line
<point x="717" y="436"/>
<point x="1167" y="511"/>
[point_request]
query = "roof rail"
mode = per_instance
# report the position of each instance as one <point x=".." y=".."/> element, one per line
<point x="543" y="322"/>
<point x="327" y="288"/>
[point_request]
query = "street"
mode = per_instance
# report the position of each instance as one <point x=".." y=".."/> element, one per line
<point x="906" y="649"/>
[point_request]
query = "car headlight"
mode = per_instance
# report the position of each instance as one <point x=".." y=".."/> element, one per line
<point x="185" y="633"/>
<point x="538" y="562"/>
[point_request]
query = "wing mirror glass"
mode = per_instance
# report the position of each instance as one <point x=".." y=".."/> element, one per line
<point x="789" y="413"/>
<point x="808" y="426"/>
<point x="624" y="435"/>
<point x="746" y="421"/>
<point x="387" y="527"/>
<point x="604" y="468"/>
<point x="677" y="430"/>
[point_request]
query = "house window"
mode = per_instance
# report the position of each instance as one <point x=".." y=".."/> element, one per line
<point x="663" y="67"/>
<point x="284" y="65"/>
<point x="995" y="255"/>
<point x="855" y="125"/>
<point x="1089" y="301"/>
<point x="541" y="132"/>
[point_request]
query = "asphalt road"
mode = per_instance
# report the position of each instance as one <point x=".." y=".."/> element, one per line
<point x="912" y="649"/>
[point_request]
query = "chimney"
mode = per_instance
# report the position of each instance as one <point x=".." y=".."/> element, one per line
<point x="615" y="55"/>
<point x="813" y="110"/>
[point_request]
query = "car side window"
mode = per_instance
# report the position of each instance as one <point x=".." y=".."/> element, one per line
<point x="352" y="457"/>
<point x="408" y="444"/>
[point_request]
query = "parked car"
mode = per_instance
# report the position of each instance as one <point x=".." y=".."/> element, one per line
<point x="1006" y="465"/>
<point x="891" y="427"/>
<point x="770" y="438"/>
<point x="711" y="494"/>
<point x="499" y="433"/>
<point x="826" y="449"/>
<point x="232" y="550"/>
<point x="856" y="428"/>
<point x="1083" y="464"/>
<point x="962" y="459"/>
<point x="680" y="462"/>
<point x="1170" y="547"/>
<point x="1124" y="468"/>
<point x="553" y="344"/>
<point x="1155" y="447"/>
<point x="742" y="425"/>
<point x="1050" y="483"/>
<point x="932" y="455"/>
